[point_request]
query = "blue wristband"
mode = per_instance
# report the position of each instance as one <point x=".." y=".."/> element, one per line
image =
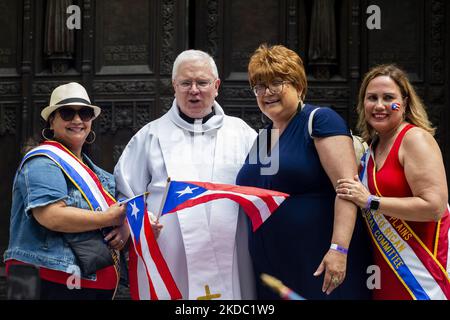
<point x="338" y="248"/>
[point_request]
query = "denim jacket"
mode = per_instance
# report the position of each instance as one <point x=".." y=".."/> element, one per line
<point x="41" y="182"/>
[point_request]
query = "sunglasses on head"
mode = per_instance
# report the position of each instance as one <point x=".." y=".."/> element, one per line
<point x="67" y="114"/>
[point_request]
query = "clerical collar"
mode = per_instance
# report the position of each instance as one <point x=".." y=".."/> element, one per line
<point x="193" y="120"/>
<point x="214" y="123"/>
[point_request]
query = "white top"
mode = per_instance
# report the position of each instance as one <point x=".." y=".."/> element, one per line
<point x="205" y="245"/>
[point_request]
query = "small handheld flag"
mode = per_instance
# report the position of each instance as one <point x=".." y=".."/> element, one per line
<point x="257" y="203"/>
<point x="150" y="277"/>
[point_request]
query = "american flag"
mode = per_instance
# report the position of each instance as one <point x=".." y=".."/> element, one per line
<point x="149" y="275"/>
<point x="257" y="203"/>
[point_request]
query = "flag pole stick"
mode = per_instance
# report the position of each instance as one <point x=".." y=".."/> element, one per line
<point x="163" y="201"/>
<point x="276" y="285"/>
<point x="145" y="194"/>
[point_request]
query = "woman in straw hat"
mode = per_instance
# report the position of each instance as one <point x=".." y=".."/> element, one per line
<point x="56" y="189"/>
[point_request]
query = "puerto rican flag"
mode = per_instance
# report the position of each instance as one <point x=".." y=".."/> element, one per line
<point x="257" y="203"/>
<point x="149" y="275"/>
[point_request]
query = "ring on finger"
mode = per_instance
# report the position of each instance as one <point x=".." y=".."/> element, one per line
<point x="335" y="281"/>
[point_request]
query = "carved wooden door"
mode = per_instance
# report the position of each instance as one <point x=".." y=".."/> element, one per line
<point x="336" y="46"/>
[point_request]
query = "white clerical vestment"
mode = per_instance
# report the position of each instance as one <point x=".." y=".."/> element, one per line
<point x="205" y="246"/>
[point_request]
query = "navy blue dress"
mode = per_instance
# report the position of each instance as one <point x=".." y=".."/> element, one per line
<point x="291" y="244"/>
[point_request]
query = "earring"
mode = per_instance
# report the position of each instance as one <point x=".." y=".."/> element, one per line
<point x="44" y="135"/>
<point x="93" y="137"/>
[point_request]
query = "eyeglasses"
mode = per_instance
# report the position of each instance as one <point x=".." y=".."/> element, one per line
<point x="67" y="114"/>
<point x="274" y="87"/>
<point x="201" y="85"/>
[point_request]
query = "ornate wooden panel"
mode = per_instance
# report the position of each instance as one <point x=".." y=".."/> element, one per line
<point x="234" y="30"/>
<point x="400" y="39"/>
<point x="10" y="36"/>
<point x="10" y="104"/>
<point x="133" y="67"/>
<point x="124" y="43"/>
<point x="122" y="54"/>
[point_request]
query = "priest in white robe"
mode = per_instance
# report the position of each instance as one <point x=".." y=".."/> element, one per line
<point x="205" y="246"/>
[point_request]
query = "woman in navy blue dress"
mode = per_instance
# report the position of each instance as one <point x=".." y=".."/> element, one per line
<point x="306" y="242"/>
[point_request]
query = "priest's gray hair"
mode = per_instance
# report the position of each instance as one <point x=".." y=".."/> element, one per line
<point x="190" y="55"/>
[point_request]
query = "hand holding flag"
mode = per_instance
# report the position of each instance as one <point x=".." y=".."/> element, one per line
<point x="156" y="226"/>
<point x="150" y="277"/>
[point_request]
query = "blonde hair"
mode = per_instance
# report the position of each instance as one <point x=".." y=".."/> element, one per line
<point x="414" y="111"/>
<point x="268" y="63"/>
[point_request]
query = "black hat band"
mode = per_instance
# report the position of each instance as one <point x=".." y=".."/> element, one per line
<point x="72" y="100"/>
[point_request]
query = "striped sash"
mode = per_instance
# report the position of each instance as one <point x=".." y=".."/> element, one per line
<point x="83" y="178"/>
<point x="423" y="273"/>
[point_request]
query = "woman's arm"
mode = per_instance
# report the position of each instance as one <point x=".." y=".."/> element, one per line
<point x="61" y="218"/>
<point x="424" y="170"/>
<point x="337" y="157"/>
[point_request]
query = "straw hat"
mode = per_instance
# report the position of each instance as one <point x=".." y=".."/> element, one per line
<point x="70" y="94"/>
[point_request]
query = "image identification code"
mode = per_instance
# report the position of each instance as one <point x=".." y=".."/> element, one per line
<point x="226" y="309"/>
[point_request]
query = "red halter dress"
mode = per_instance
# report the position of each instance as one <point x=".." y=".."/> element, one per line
<point x="390" y="181"/>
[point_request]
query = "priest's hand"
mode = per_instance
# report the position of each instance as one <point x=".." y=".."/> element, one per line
<point x="156" y="226"/>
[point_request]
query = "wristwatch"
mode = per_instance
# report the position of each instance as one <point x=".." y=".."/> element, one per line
<point x="374" y="203"/>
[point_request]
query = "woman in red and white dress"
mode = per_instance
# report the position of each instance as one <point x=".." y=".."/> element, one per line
<point x="402" y="189"/>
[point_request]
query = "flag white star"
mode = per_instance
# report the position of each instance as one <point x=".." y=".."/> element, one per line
<point x="185" y="191"/>
<point x="135" y="209"/>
